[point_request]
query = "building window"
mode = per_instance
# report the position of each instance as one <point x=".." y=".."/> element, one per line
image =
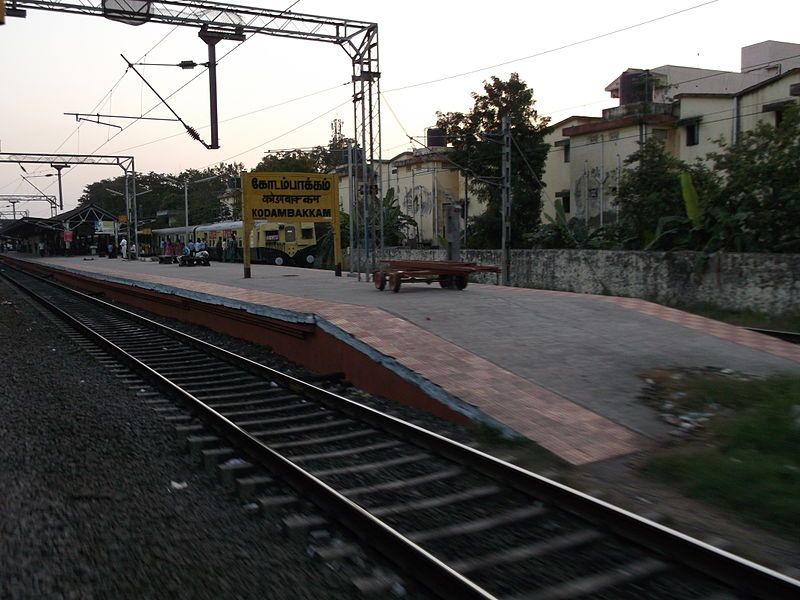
<point x="693" y="134"/>
<point x="564" y="197"/>
<point x="564" y="144"/>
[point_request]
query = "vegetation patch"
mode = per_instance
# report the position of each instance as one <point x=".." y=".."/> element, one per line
<point x="746" y="457"/>
<point x="745" y="318"/>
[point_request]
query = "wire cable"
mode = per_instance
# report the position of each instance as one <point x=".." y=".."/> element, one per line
<point x="557" y="49"/>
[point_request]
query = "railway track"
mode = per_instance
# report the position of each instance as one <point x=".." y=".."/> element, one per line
<point x="792" y="337"/>
<point x="455" y="521"/>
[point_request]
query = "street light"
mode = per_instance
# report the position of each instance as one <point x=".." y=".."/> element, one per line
<point x="186" y="183"/>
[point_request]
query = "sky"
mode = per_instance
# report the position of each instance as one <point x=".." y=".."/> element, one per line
<point x="277" y="93"/>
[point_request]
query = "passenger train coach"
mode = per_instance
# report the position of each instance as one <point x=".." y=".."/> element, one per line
<point x="270" y="243"/>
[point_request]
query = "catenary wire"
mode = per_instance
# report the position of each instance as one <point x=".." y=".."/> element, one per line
<point x="553" y="50"/>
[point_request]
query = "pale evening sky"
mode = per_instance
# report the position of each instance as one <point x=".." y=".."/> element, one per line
<point x="51" y="63"/>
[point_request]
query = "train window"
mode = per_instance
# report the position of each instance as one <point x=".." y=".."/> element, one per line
<point x="289" y="233"/>
<point x="307" y="233"/>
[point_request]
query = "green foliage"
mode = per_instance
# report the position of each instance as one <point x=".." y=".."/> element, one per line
<point x="743" y="198"/>
<point x="752" y="466"/>
<point x="166" y="193"/>
<point x="396" y="225"/>
<point x="559" y="232"/>
<point x="691" y="201"/>
<point x="762" y="187"/>
<point x="475" y="138"/>
<point x="319" y="159"/>
<point x="647" y="192"/>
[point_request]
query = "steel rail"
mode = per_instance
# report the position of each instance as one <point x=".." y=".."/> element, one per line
<point x="793" y="337"/>
<point x="732" y="570"/>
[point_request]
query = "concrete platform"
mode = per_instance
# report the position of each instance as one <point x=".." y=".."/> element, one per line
<point x="561" y="369"/>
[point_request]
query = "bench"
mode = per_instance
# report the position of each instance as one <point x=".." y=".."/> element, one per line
<point x="167" y="259"/>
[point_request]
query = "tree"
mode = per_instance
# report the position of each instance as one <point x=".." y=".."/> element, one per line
<point x="653" y="211"/>
<point x="648" y="191"/>
<point x="475" y="137"/>
<point x="166" y="195"/>
<point x="761" y="187"/>
<point x="295" y="161"/>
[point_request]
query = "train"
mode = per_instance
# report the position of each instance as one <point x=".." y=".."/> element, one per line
<point x="271" y="243"/>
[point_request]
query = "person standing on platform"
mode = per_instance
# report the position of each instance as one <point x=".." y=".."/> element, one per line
<point x="110" y="249"/>
<point x="232" y="248"/>
<point x="220" y="250"/>
<point x="123" y="248"/>
<point x="133" y="250"/>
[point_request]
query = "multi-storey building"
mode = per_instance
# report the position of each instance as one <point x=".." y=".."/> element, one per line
<point x="688" y="109"/>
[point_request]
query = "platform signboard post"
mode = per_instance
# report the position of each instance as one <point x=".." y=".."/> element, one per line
<point x="286" y="198"/>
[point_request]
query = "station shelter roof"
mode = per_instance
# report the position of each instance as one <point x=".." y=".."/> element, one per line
<point x="82" y="219"/>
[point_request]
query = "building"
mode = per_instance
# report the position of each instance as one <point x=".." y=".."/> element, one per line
<point x="424" y="182"/>
<point x="687" y="108"/>
<point x="86" y="229"/>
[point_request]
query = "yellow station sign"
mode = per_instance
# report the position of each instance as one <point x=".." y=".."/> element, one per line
<point x="280" y="197"/>
<point x="289" y="197"/>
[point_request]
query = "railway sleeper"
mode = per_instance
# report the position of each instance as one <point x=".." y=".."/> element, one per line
<point x="230" y="470"/>
<point x="345" y="452"/>
<point x="341" y="551"/>
<point x="212" y="457"/>
<point x="593" y="584"/>
<point x="249" y="487"/>
<point x="197" y="443"/>
<point x="272" y="503"/>
<point x="232" y="396"/>
<point x="184" y="419"/>
<point x="377" y="584"/>
<point x="317" y="414"/>
<point x="182" y="432"/>
<point x="268" y="399"/>
<point x="255" y="411"/>
<point x="299" y="526"/>
<point x="436" y="502"/>
<point x="315" y="441"/>
<point x="527" y="552"/>
<point x="302" y="428"/>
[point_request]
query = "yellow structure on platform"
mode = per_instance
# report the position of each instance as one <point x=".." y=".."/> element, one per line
<point x="287" y="197"/>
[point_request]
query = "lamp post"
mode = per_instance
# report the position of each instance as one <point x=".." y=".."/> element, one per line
<point x="186" y="183"/>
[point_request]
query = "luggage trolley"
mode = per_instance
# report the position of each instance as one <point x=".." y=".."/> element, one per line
<point x="449" y="274"/>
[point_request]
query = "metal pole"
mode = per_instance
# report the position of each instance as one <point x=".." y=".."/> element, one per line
<point x="351" y="203"/>
<point x="60" y="190"/>
<point x="135" y="209"/>
<point x="466" y="208"/>
<point x="127" y="209"/>
<point x="506" y="201"/>
<point x="212" y="91"/>
<point x="186" y="210"/>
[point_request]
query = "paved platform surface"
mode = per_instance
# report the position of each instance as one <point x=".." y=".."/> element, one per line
<point x="562" y="369"/>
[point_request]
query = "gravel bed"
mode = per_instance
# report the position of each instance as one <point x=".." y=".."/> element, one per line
<point x="88" y="508"/>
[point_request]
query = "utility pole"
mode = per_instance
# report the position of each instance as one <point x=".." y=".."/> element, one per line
<point x="505" y="189"/>
<point x="58" y="167"/>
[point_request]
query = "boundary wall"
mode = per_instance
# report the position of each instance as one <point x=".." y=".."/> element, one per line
<point x="768" y="283"/>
